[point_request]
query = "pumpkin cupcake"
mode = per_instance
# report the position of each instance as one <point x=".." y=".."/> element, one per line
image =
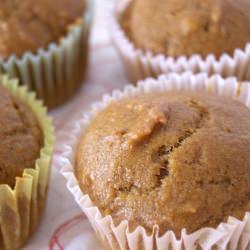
<point x="148" y="164"/>
<point x="174" y="36"/>
<point x="45" y="45"/>
<point x="26" y="140"/>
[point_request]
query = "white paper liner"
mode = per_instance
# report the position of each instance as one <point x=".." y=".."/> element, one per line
<point x="140" y="65"/>
<point x="234" y="234"/>
<point x="55" y="72"/>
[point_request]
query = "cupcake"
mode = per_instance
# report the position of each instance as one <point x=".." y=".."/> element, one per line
<point x="25" y="153"/>
<point x="45" y="45"/>
<point x="165" y="165"/>
<point x="173" y="36"/>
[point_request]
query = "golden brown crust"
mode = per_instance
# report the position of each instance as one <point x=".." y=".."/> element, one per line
<point x="20" y="138"/>
<point x="179" y="160"/>
<point x="185" y="27"/>
<point x="27" y="25"/>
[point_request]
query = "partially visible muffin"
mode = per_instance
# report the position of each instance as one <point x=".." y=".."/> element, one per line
<point x="44" y="43"/>
<point x="21" y="138"/>
<point x="26" y="25"/>
<point x="180" y="27"/>
<point x="178" y="160"/>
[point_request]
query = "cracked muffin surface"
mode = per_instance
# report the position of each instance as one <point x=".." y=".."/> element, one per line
<point x="20" y="138"/>
<point x="178" y="160"/>
<point x="180" y="27"/>
<point x="27" y="25"/>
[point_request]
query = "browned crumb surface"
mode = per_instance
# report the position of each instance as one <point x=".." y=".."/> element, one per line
<point x="20" y="138"/>
<point x="180" y="27"/>
<point x="26" y="25"/>
<point x="179" y="160"/>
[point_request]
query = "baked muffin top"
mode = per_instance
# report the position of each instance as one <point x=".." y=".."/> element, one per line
<point x="180" y="27"/>
<point x="20" y="138"/>
<point x="27" y="25"/>
<point x="179" y="160"/>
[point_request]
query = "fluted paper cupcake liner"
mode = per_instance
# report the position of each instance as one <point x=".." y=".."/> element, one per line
<point x="235" y="234"/>
<point x="21" y="207"/>
<point x="56" y="72"/>
<point x="140" y="64"/>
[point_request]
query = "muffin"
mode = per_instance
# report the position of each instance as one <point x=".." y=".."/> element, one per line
<point x="167" y="159"/>
<point x="44" y="44"/>
<point x="176" y="28"/>
<point x="165" y="165"/>
<point x="20" y="135"/>
<point x="195" y="35"/>
<point x="26" y="140"/>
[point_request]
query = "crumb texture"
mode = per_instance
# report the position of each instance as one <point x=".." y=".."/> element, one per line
<point x="179" y="27"/>
<point x="26" y="25"/>
<point x="20" y="138"/>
